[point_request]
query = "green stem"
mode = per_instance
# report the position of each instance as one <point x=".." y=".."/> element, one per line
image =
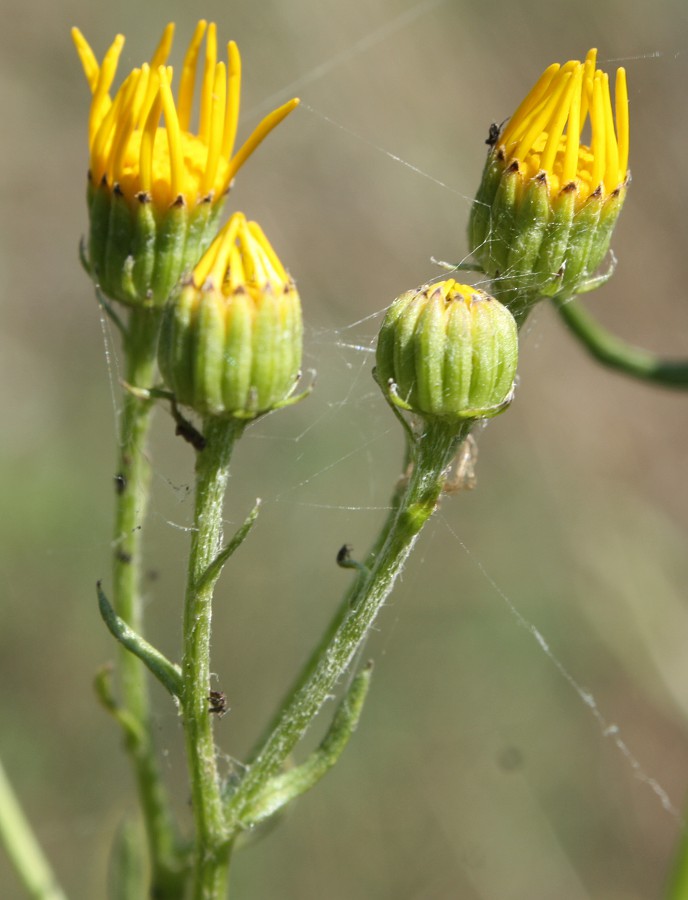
<point x="343" y="609"/>
<point x="283" y="789"/>
<point x="23" y="849"/>
<point x="678" y="884"/>
<point x="433" y="451"/>
<point x="132" y="483"/>
<point x="613" y="352"/>
<point x="213" y="844"/>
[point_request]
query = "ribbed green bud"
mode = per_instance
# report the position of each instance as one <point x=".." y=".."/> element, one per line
<point x="448" y="351"/>
<point x="137" y="252"/>
<point x="546" y="207"/>
<point x="231" y="338"/>
<point x="533" y="245"/>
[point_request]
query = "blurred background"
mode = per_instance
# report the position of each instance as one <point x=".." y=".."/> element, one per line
<point x="477" y="772"/>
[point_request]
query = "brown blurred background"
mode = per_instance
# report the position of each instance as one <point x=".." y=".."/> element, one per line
<point x="477" y="773"/>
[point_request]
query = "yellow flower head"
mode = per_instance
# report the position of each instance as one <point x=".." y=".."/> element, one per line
<point x="168" y="163"/>
<point x="231" y="338"/>
<point x="547" y="204"/>
<point x="157" y="187"/>
<point x="544" y="134"/>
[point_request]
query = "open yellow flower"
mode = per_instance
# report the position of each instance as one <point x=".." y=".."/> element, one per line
<point x="167" y="181"/>
<point x="231" y="338"/>
<point x="548" y="201"/>
<point x="544" y="134"/>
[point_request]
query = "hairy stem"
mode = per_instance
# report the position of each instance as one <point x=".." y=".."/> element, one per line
<point x="342" y="610"/>
<point x="432" y="453"/>
<point x="132" y="484"/>
<point x="213" y="844"/>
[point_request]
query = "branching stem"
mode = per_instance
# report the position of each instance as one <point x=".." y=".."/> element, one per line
<point x="432" y="454"/>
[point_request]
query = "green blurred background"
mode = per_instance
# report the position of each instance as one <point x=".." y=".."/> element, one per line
<point x="477" y="772"/>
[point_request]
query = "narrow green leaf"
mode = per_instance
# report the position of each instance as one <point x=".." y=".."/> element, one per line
<point x="215" y="567"/>
<point x="168" y="674"/>
<point x="102" y="684"/>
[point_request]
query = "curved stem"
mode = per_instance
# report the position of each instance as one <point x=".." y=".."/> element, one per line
<point x="23" y="849"/>
<point x="132" y="491"/>
<point x="613" y="352"/>
<point x="432" y="453"/>
<point x="213" y="844"/>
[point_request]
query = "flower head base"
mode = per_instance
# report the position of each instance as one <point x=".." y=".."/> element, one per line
<point x="231" y="337"/>
<point x="448" y="351"/>
<point x="547" y="204"/>
<point x="156" y="187"/>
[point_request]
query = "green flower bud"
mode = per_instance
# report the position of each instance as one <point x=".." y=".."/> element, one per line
<point x="545" y="210"/>
<point x="230" y="344"/>
<point x="448" y="351"/>
<point x="155" y="193"/>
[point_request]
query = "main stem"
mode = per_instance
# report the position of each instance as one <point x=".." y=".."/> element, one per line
<point x="433" y="452"/>
<point x="213" y="842"/>
<point x="132" y="484"/>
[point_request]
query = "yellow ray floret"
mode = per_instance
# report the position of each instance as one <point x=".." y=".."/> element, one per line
<point x="141" y="139"/>
<point x="241" y="257"/>
<point x="544" y="134"/>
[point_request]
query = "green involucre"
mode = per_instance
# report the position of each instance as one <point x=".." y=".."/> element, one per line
<point x="231" y="356"/>
<point x="136" y="253"/>
<point x="535" y="245"/>
<point x="448" y="354"/>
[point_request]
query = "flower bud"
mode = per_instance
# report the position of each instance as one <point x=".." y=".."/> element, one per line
<point x="448" y="351"/>
<point x="545" y="210"/>
<point x="230" y="343"/>
<point x="155" y="192"/>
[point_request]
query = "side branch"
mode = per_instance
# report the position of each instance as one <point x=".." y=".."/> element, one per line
<point x="432" y="453"/>
<point x="615" y="353"/>
<point x="282" y="789"/>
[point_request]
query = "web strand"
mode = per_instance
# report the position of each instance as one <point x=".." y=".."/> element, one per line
<point x="364" y="44"/>
<point x="363" y="352"/>
<point x="608" y="729"/>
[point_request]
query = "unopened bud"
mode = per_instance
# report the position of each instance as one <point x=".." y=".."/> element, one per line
<point x="448" y="351"/>
<point x="230" y="344"/>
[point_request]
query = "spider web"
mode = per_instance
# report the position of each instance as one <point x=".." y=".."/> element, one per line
<point x="519" y="741"/>
<point x="344" y="452"/>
